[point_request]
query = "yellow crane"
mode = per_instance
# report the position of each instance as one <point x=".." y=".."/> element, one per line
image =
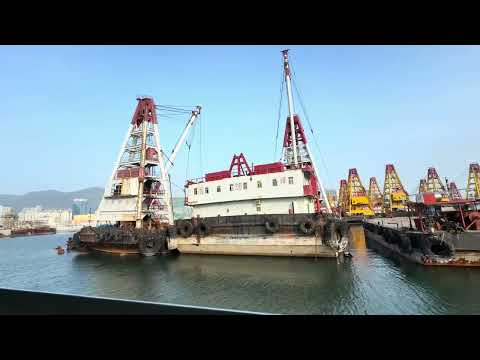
<point x="473" y="182"/>
<point x="358" y="203"/>
<point x="394" y="194"/>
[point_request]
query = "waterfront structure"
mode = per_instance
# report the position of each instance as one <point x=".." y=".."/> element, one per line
<point x="8" y="217"/>
<point x="51" y="217"/>
<point x="80" y="207"/>
<point x="84" y="220"/>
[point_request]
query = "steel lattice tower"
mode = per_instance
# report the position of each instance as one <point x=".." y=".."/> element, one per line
<point x="343" y="195"/>
<point x="375" y="196"/>
<point x="473" y="182"/>
<point x="358" y="203"/>
<point x="423" y="186"/>
<point x="394" y="194"/>
<point x="138" y="188"/>
<point x="453" y="192"/>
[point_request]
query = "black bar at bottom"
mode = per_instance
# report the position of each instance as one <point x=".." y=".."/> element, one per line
<point x="27" y="302"/>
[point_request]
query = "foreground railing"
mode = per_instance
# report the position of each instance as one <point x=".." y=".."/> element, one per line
<point x="28" y="302"/>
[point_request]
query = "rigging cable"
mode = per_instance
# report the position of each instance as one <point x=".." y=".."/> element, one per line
<point x="310" y="125"/>
<point x="189" y="145"/>
<point x="282" y="85"/>
<point x="200" y="121"/>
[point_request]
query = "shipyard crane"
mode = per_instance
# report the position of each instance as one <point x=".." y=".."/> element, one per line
<point x="394" y="194"/>
<point x="138" y="187"/>
<point x="473" y="182"/>
<point x="358" y="203"/>
<point x="453" y="191"/>
<point x="343" y="196"/>
<point x="435" y="185"/>
<point x="423" y="186"/>
<point x="296" y="149"/>
<point x="375" y="196"/>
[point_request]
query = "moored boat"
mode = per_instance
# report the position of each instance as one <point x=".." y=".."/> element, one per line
<point x="440" y="233"/>
<point x="275" y="209"/>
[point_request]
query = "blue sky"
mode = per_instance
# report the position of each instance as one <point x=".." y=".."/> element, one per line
<point x="64" y="110"/>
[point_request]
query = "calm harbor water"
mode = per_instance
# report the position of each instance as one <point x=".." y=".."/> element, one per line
<point x="366" y="284"/>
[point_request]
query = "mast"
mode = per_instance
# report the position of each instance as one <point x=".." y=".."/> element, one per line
<point x="290" y="104"/>
<point x="296" y="130"/>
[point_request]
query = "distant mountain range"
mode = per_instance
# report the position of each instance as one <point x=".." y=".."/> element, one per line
<point x="53" y="199"/>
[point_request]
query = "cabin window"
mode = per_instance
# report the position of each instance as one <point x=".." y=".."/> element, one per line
<point x="219" y="188"/>
<point x="237" y="186"/>
<point x="244" y="186"/>
<point x="195" y="191"/>
<point x="117" y="190"/>
<point x="231" y="187"/>
<point x="274" y="182"/>
<point x="290" y="180"/>
<point x="259" y="184"/>
<point x="206" y="190"/>
<point x="282" y="180"/>
<point x="259" y="207"/>
<point x="201" y="191"/>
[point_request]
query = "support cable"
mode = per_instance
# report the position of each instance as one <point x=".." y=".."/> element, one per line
<point x="310" y="125"/>
<point x="189" y="145"/>
<point x="282" y="86"/>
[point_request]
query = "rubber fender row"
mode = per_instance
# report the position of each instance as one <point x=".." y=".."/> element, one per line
<point x="186" y="229"/>
<point x="272" y="226"/>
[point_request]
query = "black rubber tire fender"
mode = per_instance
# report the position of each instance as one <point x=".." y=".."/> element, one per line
<point x="343" y="228"/>
<point x="405" y="244"/>
<point x="202" y="229"/>
<point x="389" y="236"/>
<point x="151" y="244"/>
<point x="307" y="226"/>
<point x="185" y="228"/>
<point x="425" y="245"/>
<point x="272" y="226"/>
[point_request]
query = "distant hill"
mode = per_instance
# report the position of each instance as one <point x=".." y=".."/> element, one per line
<point x="53" y="199"/>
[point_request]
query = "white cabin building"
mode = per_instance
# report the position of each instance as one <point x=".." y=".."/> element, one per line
<point x="268" y="189"/>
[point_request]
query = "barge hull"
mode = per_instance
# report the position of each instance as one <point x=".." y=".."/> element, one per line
<point x="462" y="258"/>
<point x="273" y="246"/>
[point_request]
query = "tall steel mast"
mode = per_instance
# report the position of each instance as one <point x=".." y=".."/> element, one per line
<point x="288" y="80"/>
<point x="291" y="111"/>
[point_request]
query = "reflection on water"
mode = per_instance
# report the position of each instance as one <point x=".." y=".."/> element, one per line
<point x="365" y="284"/>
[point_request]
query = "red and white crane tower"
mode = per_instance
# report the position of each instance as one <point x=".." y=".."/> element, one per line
<point x="139" y="187"/>
<point x="297" y="152"/>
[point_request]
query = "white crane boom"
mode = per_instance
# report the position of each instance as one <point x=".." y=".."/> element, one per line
<point x="182" y="138"/>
